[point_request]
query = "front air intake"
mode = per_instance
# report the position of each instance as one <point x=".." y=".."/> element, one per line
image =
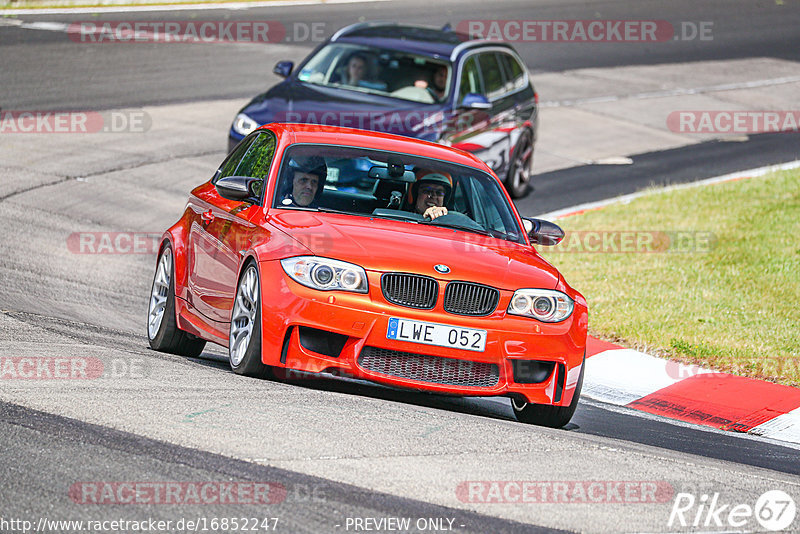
<point x="432" y="369"/>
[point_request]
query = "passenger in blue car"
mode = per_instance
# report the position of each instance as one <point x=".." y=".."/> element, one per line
<point x="356" y="69"/>
<point x="303" y="182"/>
<point x="358" y="73"/>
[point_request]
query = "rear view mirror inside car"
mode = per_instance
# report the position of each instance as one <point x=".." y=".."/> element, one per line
<point x="383" y="173"/>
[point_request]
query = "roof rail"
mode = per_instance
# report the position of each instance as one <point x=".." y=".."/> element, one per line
<point x="474" y="42"/>
<point x="359" y="25"/>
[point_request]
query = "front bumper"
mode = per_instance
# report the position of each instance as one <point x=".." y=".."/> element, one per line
<point x="293" y="314"/>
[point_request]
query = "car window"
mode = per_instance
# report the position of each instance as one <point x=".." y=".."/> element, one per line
<point x="259" y="157"/>
<point x="383" y="71"/>
<point x="357" y="182"/>
<point x="228" y="167"/>
<point x="470" y="79"/>
<point x="515" y="73"/>
<point x="492" y="75"/>
<point x="485" y="208"/>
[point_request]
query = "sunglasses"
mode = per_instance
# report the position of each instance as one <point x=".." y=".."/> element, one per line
<point x="427" y="191"/>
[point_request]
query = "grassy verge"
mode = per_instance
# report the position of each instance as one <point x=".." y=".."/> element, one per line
<point x="721" y="288"/>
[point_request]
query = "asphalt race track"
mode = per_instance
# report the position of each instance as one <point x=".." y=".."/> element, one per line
<point x="334" y="455"/>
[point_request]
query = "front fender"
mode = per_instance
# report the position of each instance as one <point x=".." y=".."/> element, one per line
<point x="177" y="236"/>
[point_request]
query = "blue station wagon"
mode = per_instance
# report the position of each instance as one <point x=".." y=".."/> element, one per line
<point x="432" y="84"/>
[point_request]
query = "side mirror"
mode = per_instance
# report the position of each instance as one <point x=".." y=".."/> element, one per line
<point x="475" y="101"/>
<point x="543" y="232"/>
<point x="238" y="187"/>
<point x="283" y="68"/>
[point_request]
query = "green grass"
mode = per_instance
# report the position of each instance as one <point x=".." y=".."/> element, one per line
<point x="732" y="306"/>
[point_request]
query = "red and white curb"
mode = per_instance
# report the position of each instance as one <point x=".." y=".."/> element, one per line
<point x="689" y="393"/>
<point x="633" y="379"/>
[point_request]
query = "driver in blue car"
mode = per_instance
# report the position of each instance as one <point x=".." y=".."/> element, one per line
<point x="430" y="193"/>
<point x="304" y="182"/>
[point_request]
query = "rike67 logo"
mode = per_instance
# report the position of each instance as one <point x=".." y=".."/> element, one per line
<point x="774" y="511"/>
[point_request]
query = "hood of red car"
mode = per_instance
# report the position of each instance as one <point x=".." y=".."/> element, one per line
<point x="398" y="246"/>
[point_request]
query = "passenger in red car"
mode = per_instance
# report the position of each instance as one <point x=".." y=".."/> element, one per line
<point x="306" y="176"/>
<point x="430" y="193"/>
<point x="304" y="188"/>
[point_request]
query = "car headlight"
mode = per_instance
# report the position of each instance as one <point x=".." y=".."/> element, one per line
<point x="326" y="274"/>
<point x="542" y="304"/>
<point x="243" y="124"/>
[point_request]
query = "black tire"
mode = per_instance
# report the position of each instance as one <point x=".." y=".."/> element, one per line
<point x="546" y="415"/>
<point x="520" y="169"/>
<point x="249" y="363"/>
<point x="167" y="337"/>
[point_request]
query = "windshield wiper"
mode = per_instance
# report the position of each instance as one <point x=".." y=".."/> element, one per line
<point x="332" y="210"/>
<point x="481" y="231"/>
<point x="396" y="217"/>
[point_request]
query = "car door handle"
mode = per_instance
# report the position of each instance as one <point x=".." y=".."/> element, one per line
<point x="207" y="216"/>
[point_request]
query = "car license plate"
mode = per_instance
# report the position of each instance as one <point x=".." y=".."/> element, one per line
<point x="436" y="334"/>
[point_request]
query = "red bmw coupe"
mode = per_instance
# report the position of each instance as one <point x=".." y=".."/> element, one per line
<point x="369" y="255"/>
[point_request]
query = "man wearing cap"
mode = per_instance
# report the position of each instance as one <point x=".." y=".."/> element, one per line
<point x="430" y="193"/>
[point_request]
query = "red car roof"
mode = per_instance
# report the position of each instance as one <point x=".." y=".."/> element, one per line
<point x="315" y="133"/>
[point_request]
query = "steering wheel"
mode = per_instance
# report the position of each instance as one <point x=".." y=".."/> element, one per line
<point x="433" y="94"/>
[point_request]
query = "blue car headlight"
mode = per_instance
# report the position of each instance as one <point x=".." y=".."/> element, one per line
<point x="326" y="274"/>
<point x="543" y="304"/>
<point x="243" y="124"/>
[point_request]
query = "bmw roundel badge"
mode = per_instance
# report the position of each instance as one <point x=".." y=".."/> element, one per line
<point x="443" y="269"/>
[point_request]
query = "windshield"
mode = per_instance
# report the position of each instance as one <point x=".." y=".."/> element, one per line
<point x="390" y="185"/>
<point x="379" y="71"/>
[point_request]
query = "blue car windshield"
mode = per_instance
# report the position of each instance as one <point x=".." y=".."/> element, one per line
<point x="390" y="185"/>
<point x="380" y="71"/>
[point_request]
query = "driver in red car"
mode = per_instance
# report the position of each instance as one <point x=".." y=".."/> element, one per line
<point x="430" y="193"/>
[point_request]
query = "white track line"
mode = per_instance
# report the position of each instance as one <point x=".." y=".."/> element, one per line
<point x="680" y="91"/>
<point x="177" y="7"/>
<point x="624" y="199"/>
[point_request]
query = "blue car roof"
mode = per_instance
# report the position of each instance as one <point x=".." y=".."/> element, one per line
<point x="416" y="39"/>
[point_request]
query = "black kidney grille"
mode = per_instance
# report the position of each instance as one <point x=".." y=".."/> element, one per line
<point x="467" y="298"/>
<point x="410" y="290"/>
<point x="433" y="369"/>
